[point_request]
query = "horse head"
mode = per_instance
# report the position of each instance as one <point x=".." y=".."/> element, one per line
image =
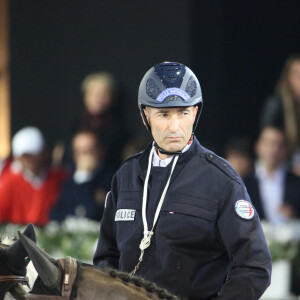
<point x="13" y="263"/>
<point x="49" y="273"/>
<point x="87" y="281"/>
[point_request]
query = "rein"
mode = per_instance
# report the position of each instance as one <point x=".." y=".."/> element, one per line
<point x="13" y="278"/>
<point x="69" y="267"/>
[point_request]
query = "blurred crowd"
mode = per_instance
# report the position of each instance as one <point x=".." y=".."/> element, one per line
<point x="37" y="186"/>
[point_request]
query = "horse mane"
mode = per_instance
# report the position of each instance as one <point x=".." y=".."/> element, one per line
<point x="137" y="281"/>
<point x="140" y="282"/>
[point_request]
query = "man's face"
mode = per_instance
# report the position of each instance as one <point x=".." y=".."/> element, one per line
<point x="97" y="97"/>
<point x="86" y="152"/>
<point x="33" y="163"/>
<point x="171" y="127"/>
<point x="271" y="147"/>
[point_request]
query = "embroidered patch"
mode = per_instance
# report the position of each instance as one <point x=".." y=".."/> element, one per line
<point x="244" y="209"/>
<point x="125" y="215"/>
<point x="172" y="92"/>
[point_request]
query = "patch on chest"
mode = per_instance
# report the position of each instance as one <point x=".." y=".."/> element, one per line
<point x="244" y="209"/>
<point x="125" y="215"/>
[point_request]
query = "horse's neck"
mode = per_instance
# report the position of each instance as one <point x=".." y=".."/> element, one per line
<point x="96" y="284"/>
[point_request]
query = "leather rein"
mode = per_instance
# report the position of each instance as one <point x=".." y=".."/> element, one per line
<point x="68" y="266"/>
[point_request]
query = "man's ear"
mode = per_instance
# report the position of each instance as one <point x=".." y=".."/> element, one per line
<point x="195" y="111"/>
<point x="146" y="115"/>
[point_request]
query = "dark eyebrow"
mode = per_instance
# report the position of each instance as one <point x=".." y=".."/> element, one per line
<point x="162" y="111"/>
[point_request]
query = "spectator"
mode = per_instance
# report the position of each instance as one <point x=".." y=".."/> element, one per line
<point x="238" y="152"/>
<point x="295" y="164"/>
<point x="101" y="114"/>
<point x="274" y="191"/>
<point x="282" y="109"/>
<point x="5" y="167"/>
<point x="84" y="193"/>
<point x="30" y="189"/>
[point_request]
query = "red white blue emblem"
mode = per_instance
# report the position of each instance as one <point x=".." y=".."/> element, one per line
<point x="244" y="209"/>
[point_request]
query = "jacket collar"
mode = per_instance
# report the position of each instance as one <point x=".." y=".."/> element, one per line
<point x="195" y="148"/>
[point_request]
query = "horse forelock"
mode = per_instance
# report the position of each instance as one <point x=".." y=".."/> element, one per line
<point x="7" y="239"/>
<point x="139" y="282"/>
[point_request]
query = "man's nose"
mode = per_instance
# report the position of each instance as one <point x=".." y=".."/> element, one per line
<point x="173" y="124"/>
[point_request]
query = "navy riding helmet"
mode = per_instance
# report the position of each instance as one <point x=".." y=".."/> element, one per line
<point x="169" y="84"/>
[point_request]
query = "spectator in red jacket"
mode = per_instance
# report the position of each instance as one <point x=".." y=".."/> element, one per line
<point x="29" y="191"/>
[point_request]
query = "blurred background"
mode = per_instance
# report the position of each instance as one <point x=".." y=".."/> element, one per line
<point x="53" y="51"/>
<point x="236" y="49"/>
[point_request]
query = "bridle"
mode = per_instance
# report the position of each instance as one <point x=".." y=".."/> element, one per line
<point x="68" y="266"/>
<point x="12" y="278"/>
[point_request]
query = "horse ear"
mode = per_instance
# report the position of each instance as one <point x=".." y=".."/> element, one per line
<point x="16" y="256"/>
<point x="30" y="232"/>
<point x="44" y="264"/>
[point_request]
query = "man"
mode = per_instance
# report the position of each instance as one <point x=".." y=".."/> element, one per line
<point x="177" y="214"/>
<point x="30" y="189"/>
<point x="84" y="193"/>
<point x="274" y="190"/>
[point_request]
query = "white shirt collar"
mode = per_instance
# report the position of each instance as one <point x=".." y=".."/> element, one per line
<point x="262" y="173"/>
<point x="271" y="189"/>
<point x="158" y="162"/>
<point x="34" y="180"/>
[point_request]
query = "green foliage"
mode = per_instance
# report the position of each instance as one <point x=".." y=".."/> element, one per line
<point x="287" y="251"/>
<point x="74" y="237"/>
<point x="78" y="237"/>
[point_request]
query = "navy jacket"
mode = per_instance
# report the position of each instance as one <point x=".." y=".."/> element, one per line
<point x="84" y="196"/>
<point x="201" y="247"/>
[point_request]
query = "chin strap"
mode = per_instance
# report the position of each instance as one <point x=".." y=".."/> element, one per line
<point x="163" y="151"/>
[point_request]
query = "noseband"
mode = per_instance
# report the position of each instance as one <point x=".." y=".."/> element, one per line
<point x="68" y="266"/>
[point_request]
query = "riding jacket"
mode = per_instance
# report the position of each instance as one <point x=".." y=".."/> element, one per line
<point x="205" y="246"/>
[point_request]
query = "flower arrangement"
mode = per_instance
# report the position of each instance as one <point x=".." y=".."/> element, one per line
<point x="76" y="237"/>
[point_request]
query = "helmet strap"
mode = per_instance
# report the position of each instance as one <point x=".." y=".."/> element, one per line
<point x="157" y="147"/>
<point x="163" y="151"/>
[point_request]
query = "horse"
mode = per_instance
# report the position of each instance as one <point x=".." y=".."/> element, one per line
<point x="69" y="279"/>
<point x="13" y="263"/>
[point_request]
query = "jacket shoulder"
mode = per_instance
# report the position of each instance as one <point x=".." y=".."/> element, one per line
<point x="130" y="160"/>
<point x="223" y="165"/>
